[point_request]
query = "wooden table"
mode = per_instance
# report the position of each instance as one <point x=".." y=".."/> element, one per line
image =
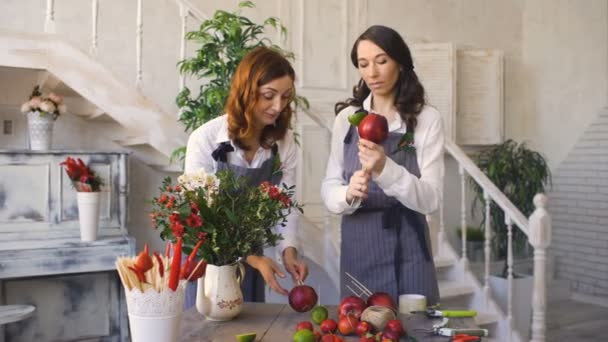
<point x="277" y="323"/>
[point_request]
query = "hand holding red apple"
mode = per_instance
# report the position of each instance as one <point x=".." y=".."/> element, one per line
<point x="357" y="186"/>
<point x="372" y="156"/>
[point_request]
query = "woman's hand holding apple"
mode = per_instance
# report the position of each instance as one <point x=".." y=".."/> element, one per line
<point x="371" y="156"/>
<point x="358" y="186"/>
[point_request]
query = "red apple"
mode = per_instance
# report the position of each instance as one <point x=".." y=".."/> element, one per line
<point x="304" y="325"/>
<point x="347" y="324"/>
<point x="363" y="328"/>
<point x="302" y="298"/>
<point x="374" y="128"/>
<point x="390" y="335"/>
<point x="327" y="338"/>
<point x="367" y="338"/>
<point x="382" y="299"/>
<point x="317" y="336"/>
<point x="329" y="326"/>
<point x="394" y="325"/>
<point x="352" y="306"/>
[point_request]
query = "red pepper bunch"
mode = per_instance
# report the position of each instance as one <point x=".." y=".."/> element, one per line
<point x="168" y="270"/>
<point x="83" y="178"/>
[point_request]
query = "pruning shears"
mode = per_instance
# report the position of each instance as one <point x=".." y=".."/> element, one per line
<point x="458" y="334"/>
<point x="451" y="313"/>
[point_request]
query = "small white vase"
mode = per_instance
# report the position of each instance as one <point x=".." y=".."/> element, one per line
<point x="40" y="129"/>
<point x="218" y="294"/>
<point x="88" y="214"/>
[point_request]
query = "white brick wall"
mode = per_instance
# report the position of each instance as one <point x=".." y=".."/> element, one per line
<point x="579" y="204"/>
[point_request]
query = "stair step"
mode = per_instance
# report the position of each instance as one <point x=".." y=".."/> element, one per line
<point x="100" y="115"/>
<point x="133" y="141"/>
<point x="451" y="289"/>
<point x="483" y="318"/>
<point x="442" y="262"/>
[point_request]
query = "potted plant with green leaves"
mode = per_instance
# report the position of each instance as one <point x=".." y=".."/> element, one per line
<point x="224" y="40"/>
<point x="520" y="173"/>
<point x="475" y="240"/>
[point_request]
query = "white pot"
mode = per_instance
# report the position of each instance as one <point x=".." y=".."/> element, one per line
<point x="218" y="294"/>
<point x="40" y="129"/>
<point x="88" y="214"/>
<point x="155" y="316"/>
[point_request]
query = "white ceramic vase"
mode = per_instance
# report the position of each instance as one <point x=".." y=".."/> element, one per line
<point x="218" y="295"/>
<point x="88" y="214"/>
<point x="40" y="129"/>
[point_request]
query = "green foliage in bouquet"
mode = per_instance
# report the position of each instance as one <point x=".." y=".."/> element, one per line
<point x="233" y="219"/>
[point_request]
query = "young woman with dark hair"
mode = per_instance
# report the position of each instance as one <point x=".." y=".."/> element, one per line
<point x="256" y="128"/>
<point x="384" y="190"/>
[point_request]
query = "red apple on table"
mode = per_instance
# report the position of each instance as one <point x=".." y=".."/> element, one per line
<point x="304" y="325"/>
<point x="367" y="338"/>
<point x="373" y="127"/>
<point x="395" y="326"/>
<point x="329" y="326"/>
<point x="351" y="306"/>
<point x="327" y="338"/>
<point x="388" y="335"/>
<point x="347" y="324"/>
<point x="363" y="328"/>
<point x="382" y="299"/>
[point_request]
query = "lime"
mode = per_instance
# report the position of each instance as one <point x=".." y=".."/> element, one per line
<point x="356" y="118"/>
<point x="250" y="337"/>
<point x="304" y="335"/>
<point x="319" y="314"/>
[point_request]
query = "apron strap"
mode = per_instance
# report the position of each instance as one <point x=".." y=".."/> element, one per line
<point x="349" y="135"/>
<point x="221" y="152"/>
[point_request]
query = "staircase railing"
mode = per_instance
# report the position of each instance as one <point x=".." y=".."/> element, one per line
<point x="186" y="9"/>
<point x="537" y="228"/>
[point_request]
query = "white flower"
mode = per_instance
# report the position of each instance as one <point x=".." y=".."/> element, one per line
<point x="48" y="106"/>
<point x="35" y="102"/>
<point x="26" y="107"/>
<point x="200" y="179"/>
<point x="55" y="98"/>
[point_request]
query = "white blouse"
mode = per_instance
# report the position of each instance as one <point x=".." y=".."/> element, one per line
<point x="205" y="139"/>
<point x="420" y="194"/>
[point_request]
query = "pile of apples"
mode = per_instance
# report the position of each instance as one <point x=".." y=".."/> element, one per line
<point x="349" y="322"/>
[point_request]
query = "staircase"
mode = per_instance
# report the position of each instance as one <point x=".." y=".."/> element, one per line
<point x="92" y="92"/>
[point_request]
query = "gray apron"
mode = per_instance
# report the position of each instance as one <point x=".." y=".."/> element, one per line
<point x="385" y="245"/>
<point x="253" y="284"/>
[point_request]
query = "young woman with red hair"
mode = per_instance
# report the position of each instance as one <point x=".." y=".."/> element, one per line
<point x="256" y="128"/>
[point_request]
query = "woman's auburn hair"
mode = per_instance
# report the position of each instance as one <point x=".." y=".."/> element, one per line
<point x="260" y="66"/>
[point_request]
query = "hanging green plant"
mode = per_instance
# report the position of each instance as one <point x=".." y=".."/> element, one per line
<point x="223" y="41"/>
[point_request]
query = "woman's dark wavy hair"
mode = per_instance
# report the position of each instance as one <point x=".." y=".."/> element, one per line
<point x="410" y="92"/>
